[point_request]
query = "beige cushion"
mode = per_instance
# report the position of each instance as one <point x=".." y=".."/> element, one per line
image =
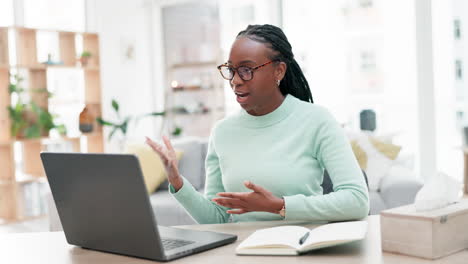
<point x="360" y="154"/>
<point x="375" y="157"/>
<point x="151" y="164"/>
<point x="388" y="149"/>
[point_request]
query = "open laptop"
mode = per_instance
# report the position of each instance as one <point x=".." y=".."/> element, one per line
<point x="103" y="205"/>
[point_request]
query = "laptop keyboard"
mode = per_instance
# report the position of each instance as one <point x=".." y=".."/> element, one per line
<point x="170" y="243"/>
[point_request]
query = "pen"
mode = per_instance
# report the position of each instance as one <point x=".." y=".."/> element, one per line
<point x="303" y="238"/>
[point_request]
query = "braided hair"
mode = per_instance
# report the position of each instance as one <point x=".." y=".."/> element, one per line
<point x="294" y="81"/>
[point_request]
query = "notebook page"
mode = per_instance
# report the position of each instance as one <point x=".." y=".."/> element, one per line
<point x="345" y="231"/>
<point x="272" y="237"/>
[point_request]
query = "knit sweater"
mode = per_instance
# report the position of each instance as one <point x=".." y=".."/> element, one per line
<point x="286" y="152"/>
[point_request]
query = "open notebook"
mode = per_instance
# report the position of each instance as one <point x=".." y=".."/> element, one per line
<point x="285" y="240"/>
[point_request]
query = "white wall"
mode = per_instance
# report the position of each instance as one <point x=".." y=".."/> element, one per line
<point x="320" y="42"/>
<point x="123" y="23"/>
<point x="448" y="136"/>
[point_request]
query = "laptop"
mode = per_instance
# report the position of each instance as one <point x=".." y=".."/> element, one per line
<point x="103" y="205"/>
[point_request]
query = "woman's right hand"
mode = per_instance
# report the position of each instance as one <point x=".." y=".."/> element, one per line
<point x="169" y="159"/>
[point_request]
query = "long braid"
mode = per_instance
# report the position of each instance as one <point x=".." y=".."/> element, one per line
<point x="294" y="81"/>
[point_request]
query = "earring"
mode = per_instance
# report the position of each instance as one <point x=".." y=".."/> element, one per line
<point x="278" y="82"/>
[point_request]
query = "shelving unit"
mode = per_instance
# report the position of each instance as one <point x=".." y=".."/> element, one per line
<point x="195" y="107"/>
<point x="194" y="90"/>
<point x="15" y="179"/>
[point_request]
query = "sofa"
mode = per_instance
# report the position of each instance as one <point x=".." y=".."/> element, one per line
<point x="393" y="191"/>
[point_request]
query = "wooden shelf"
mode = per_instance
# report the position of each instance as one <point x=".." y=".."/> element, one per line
<point x="193" y="64"/>
<point x="40" y="66"/>
<point x="7" y="159"/>
<point x="93" y="88"/>
<point x="36" y="74"/>
<point x="4" y="56"/>
<point x="91" y="44"/>
<point x="5" y="142"/>
<point x="192" y="90"/>
<point x="64" y="138"/>
<point x="26" y="47"/>
<point x="4" y="102"/>
<point x="67" y="48"/>
<point x="37" y="66"/>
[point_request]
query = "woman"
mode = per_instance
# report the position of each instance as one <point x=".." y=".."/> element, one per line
<point x="267" y="161"/>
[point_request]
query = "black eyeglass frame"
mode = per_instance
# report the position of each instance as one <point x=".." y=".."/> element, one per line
<point x="220" y="67"/>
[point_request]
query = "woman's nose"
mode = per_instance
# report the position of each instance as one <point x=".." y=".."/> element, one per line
<point x="236" y="79"/>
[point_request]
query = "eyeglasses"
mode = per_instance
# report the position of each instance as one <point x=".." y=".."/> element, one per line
<point x="245" y="73"/>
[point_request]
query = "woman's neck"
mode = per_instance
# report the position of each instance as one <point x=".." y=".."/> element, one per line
<point x="271" y="105"/>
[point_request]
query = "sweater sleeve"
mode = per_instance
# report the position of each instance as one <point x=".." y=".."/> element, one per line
<point x="200" y="206"/>
<point x="350" y="199"/>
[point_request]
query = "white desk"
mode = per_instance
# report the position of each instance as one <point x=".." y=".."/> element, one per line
<point x="52" y="248"/>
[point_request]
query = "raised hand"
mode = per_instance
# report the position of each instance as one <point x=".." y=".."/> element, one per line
<point x="169" y="159"/>
<point x="260" y="200"/>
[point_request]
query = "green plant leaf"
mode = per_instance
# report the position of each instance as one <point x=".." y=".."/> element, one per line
<point x="156" y="114"/>
<point x="124" y="125"/>
<point x="18" y="78"/>
<point x="62" y="129"/>
<point x="123" y="128"/>
<point x="86" y="54"/>
<point x="11" y="88"/>
<point x="32" y="132"/>
<point x="112" y="133"/>
<point x="152" y="114"/>
<point x="115" y="105"/>
<point x="103" y="122"/>
<point x="177" y="131"/>
<point x="35" y="108"/>
<point x="46" y="120"/>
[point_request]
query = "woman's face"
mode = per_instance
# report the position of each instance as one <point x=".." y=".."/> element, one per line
<point x="261" y="94"/>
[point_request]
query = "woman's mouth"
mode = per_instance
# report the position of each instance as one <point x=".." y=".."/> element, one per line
<point x="242" y="97"/>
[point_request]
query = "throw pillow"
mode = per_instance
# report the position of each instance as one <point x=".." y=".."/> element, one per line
<point x="388" y="149"/>
<point x="380" y="157"/>
<point x="360" y="154"/>
<point x="151" y="164"/>
<point x="377" y="168"/>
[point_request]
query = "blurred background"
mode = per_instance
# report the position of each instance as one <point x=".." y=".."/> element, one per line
<point x="116" y="71"/>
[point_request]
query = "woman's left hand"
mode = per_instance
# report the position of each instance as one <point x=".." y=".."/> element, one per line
<point x="260" y="200"/>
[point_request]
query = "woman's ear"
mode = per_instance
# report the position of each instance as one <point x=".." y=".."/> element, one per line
<point x="280" y="70"/>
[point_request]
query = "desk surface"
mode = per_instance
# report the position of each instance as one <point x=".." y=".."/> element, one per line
<point x="52" y="248"/>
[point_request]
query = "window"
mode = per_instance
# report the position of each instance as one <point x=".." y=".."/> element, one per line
<point x="457" y="28"/>
<point x="458" y="70"/>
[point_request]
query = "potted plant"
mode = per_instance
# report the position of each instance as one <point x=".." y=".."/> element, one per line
<point x="122" y="124"/>
<point x="28" y="120"/>
<point x="84" y="58"/>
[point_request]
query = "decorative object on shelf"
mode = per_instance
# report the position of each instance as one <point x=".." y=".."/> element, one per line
<point x="49" y="61"/>
<point x="28" y="120"/>
<point x="367" y="120"/>
<point x="84" y="58"/>
<point x="86" y="121"/>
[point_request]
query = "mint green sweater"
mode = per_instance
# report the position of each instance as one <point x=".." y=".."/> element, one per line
<point x="285" y="152"/>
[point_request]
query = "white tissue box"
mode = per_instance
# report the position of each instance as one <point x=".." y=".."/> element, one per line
<point x="430" y="234"/>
